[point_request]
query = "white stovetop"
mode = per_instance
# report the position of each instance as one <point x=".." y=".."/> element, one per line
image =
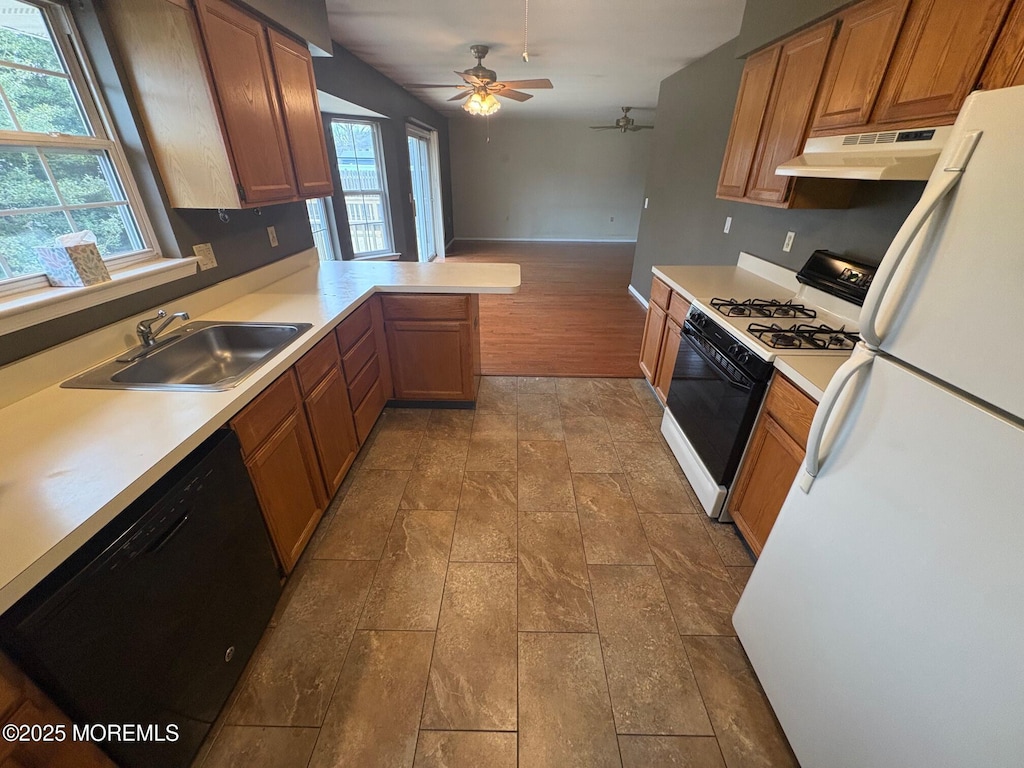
<point x="74" y="458"/>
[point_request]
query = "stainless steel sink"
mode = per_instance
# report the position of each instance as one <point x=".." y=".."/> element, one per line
<point x="202" y="356"/>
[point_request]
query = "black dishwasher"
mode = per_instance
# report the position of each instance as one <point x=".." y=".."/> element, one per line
<point x="153" y="620"/>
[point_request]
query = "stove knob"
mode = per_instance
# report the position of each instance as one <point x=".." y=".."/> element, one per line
<point x="735" y="350"/>
<point x="744" y="358"/>
<point x="698" y="319"/>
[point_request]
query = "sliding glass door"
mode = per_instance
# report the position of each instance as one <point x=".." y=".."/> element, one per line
<point x="426" y="192"/>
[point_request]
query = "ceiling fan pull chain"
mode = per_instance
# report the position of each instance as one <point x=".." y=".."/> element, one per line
<point x="526" y="33"/>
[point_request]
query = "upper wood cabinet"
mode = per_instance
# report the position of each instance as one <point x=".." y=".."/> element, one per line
<point x="860" y="55"/>
<point x="747" y="119"/>
<point x="1005" y="66"/>
<point x="938" y="59"/>
<point x="293" y="65"/>
<point x="801" y="64"/>
<point x="229" y="105"/>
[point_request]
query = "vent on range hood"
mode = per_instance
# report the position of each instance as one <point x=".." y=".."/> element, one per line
<point x="884" y="156"/>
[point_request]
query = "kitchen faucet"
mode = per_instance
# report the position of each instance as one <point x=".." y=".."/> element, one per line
<point x="147" y="336"/>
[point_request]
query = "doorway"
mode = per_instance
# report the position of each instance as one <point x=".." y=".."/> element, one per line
<point x="424" y="167"/>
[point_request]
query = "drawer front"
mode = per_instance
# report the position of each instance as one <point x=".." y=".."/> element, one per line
<point x="355" y="326"/>
<point x="258" y="420"/>
<point x="660" y="293"/>
<point x="677" y="308"/>
<point x="791" y="408"/>
<point x="421" y="307"/>
<point x="356" y="358"/>
<point x="363" y="382"/>
<point x="316" y="363"/>
<point x="367" y="412"/>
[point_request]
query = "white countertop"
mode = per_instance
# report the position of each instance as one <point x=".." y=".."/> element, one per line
<point x="74" y="458"/>
<point x="811" y="373"/>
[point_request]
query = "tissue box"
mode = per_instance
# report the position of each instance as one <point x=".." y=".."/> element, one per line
<point x="74" y="266"/>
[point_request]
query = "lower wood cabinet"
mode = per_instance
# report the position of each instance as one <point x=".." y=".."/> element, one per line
<point x="666" y="314"/>
<point x="434" y="345"/>
<point x="650" y="347"/>
<point x="772" y="460"/>
<point x="22" y="703"/>
<point x="667" y="358"/>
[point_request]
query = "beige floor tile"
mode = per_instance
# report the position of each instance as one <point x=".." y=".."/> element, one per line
<point x="494" y="425"/>
<point x="700" y="590"/>
<point x="497" y="394"/>
<point x="538" y="417"/>
<point x="492" y="454"/>
<point x="579" y="402"/>
<point x="372" y="721"/>
<point x="545" y="484"/>
<point x="592" y="457"/>
<point x="397" y="449"/>
<point x="246" y="746"/>
<point x="652" y="686"/>
<point x="740" y="575"/>
<point x="292" y="680"/>
<point x="747" y="730"/>
<point x="564" y="710"/>
<point x="586" y="429"/>
<point x="406" y="591"/>
<point x="434" y="488"/>
<point x="486" y="527"/>
<point x="451" y="423"/>
<point x="442" y="452"/>
<point x="466" y="749"/>
<point x="648" y="400"/>
<point x="361" y="525"/>
<point x="728" y="542"/>
<point x="633" y="426"/>
<point x="473" y="673"/>
<point x="654" y="479"/>
<point x="404" y="420"/>
<point x="670" y="752"/>
<point x="554" y="590"/>
<point x="537" y="385"/>
<point x="611" y="528"/>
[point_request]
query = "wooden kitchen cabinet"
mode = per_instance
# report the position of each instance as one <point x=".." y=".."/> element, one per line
<point x="654" y="328"/>
<point x="667" y="358"/>
<point x="666" y="313"/>
<point x="434" y="346"/>
<point x="282" y="462"/>
<point x="938" y="59"/>
<point x="227" y="103"/>
<point x="857" y="65"/>
<point x="1005" y="67"/>
<point x="365" y="364"/>
<point x="22" y="703"/>
<point x="773" y="458"/>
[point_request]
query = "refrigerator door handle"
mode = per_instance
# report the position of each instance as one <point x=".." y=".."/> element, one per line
<point x="934" y="194"/>
<point x="861" y="358"/>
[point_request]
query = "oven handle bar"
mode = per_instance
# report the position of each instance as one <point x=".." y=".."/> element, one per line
<point x="744" y="384"/>
<point x="861" y="358"/>
<point x="934" y="194"/>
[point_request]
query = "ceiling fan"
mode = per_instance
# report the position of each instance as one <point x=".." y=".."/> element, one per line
<point x="482" y="85"/>
<point x="623" y="124"/>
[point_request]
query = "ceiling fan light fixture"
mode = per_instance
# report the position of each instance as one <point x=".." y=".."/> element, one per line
<point x="482" y="104"/>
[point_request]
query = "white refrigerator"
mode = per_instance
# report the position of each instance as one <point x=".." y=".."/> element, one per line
<point x="885" y="616"/>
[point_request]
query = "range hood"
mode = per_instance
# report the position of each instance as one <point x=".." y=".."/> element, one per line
<point x="886" y="156"/>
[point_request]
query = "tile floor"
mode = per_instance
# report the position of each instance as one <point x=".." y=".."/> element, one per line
<point x="529" y="584"/>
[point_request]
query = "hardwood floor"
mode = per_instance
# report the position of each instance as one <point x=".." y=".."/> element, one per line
<point x="573" y="315"/>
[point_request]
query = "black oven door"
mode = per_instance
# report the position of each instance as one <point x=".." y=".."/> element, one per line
<point x="714" y="402"/>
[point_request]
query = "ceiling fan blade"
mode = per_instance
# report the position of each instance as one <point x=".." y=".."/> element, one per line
<point x="460" y="96"/>
<point x="529" y="84"/>
<point x="433" y="85"/>
<point x="604" y="127"/>
<point x="640" y="127"/>
<point x="508" y="93"/>
<point x="471" y="79"/>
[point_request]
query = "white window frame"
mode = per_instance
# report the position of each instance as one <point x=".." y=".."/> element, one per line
<point x="378" y="152"/>
<point x="29" y="299"/>
<point x="330" y="231"/>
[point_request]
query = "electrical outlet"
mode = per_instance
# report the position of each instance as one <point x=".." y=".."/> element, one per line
<point x="272" y="233"/>
<point x="646" y="201"/>
<point x="728" y="224"/>
<point x="788" y="245"/>
<point x="612" y="218"/>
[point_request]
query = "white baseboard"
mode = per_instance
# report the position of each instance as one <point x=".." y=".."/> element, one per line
<point x="547" y="240"/>
<point x="639" y="297"/>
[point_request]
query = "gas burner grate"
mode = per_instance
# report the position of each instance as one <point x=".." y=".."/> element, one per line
<point x="762" y="308"/>
<point x="804" y="336"/>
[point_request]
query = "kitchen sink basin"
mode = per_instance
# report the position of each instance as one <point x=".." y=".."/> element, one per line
<point x="204" y="356"/>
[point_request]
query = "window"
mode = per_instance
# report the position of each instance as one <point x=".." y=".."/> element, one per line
<point x="360" y="164"/>
<point x="60" y="169"/>
<point x="322" y="227"/>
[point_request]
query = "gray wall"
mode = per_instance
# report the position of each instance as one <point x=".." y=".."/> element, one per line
<point x="346" y="77"/>
<point x="767" y="20"/>
<point x="684" y="222"/>
<point x="546" y="178"/>
<point x="306" y="18"/>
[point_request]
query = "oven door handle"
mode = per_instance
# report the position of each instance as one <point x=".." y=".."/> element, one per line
<point x="743" y="384"/>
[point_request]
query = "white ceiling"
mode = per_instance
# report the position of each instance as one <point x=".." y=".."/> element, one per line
<point x="599" y="54"/>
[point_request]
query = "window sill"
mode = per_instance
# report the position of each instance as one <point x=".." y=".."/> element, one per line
<point x="379" y="257"/>
<point x="32" y="307"/>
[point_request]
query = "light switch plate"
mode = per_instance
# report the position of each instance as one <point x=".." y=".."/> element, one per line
<point x="728" y="224"/>
<point x="788" y="245"/>
<point x="272" y="232"/>
<point x="204" y="252"/>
